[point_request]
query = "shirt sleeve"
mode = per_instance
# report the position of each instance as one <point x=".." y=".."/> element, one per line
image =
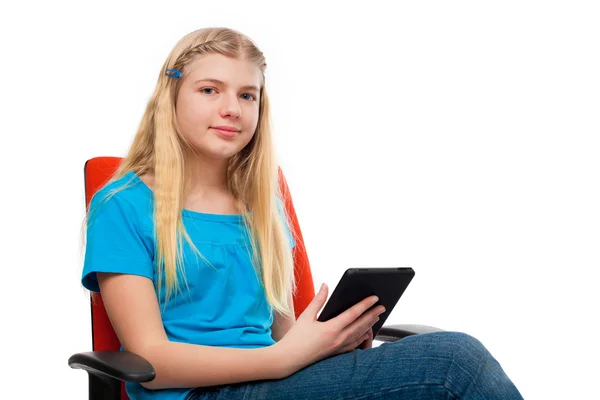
<point x="114" y="242"/>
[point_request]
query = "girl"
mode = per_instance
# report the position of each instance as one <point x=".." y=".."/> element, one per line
<point x="191" y="248"/>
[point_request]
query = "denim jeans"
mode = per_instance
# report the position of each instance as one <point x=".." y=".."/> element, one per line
<point x="440" y="365"/>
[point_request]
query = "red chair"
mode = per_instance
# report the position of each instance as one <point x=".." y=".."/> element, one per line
<point x="109" y="368"/>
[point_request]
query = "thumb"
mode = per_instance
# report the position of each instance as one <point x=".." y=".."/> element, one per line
<point x="317" y="302"/>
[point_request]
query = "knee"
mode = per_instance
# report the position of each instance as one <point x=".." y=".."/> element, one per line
<point x="463" y="346"/>
<point x="474" y="369"/>
<point x="455" y="346"/>
<point x="459" y="347"/>
<point x="465" y="341"/>
<point x="469" y="356"/>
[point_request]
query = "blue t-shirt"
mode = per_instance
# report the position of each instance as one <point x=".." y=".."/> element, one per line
<point x="225" y="305"/>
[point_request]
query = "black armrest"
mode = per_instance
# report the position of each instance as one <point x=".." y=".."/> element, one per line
<point x="391" y="333"/>
<point x="121" y="365"/>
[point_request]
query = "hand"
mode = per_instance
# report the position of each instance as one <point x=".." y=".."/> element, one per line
<point x="367" y="344"/>
<point x="309" y="340"/>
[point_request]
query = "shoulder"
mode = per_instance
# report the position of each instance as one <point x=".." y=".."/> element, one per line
<point x="128" y="196"/>
<point x="128" y="188"/>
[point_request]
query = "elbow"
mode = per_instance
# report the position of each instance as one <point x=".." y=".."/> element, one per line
<point x="151" y="385"/>
<point x="156" y="383"/>
<point x="151" y="355"/>
<point x="161" y="380"/>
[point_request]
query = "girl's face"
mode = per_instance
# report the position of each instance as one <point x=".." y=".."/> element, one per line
<point x="219" y="91"/>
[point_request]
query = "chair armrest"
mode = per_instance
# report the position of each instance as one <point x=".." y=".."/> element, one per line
<point x="392" y="333"/>
<point x="121" y="365"/>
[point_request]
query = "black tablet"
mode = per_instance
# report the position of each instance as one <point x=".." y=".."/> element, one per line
<point x="359" y="283"/>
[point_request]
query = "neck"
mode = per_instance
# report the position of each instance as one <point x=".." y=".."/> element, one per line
<point x="207" y="175"/>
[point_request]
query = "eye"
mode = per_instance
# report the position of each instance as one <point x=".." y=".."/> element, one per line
<point x="252" y="97"/>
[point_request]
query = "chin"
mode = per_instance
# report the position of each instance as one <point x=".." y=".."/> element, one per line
<point x="218" y="153"/>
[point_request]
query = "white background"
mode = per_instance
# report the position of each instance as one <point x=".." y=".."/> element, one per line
<point x="457" y="138"/>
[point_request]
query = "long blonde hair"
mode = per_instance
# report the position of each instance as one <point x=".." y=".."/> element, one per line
<point x="252" y="173"/>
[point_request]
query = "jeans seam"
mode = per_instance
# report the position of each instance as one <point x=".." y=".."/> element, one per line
<point x="455" y="364"/>
<point x="190" y="395"/>
<point x="482" y="361"/>
<point x="392" y="390"/>
<point x="246" y="390"/>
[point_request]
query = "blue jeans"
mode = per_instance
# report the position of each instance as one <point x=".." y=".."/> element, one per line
<point x="440" y="365"/>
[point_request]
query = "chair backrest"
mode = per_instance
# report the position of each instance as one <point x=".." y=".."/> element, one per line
<point x="99" y="170"/>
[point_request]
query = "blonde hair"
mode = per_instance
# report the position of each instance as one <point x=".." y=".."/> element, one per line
<point x="252" y="174"/>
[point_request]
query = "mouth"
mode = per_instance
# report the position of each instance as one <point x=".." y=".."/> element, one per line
<point x="226" y="133"/>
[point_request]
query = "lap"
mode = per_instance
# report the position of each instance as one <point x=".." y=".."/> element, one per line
<point x="415" y="367"/>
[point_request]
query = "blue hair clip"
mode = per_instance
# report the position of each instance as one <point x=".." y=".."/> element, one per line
<point x="173" y="73"/>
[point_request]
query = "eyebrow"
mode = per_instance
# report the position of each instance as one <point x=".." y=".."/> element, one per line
<point x="218" y="82"/>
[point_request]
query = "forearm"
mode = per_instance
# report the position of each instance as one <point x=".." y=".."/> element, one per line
<point x="187" y="365"/>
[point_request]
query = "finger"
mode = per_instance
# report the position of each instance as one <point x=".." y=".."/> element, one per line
<point x="364" y="345"/>
<point x="363" y="337"/>
<point x="369" y="341"/>
<point x="354" y="312"/>
<point x="359" y="343"/>
<point x="316" y="304"/>
<point x="361" y="326"/>
<point x="367" y="344"/>
<point x="351" y="346"/>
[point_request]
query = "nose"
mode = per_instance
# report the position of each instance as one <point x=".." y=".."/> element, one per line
<point x="231" y="107"/>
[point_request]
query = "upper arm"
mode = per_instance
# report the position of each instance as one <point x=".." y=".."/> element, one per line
<point x="133" y="310"/>
<point x="116" y="242"/>
<point x="119" y="264"/>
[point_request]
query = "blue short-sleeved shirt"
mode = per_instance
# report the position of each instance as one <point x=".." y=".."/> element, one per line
<point x="225" y="305"/>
